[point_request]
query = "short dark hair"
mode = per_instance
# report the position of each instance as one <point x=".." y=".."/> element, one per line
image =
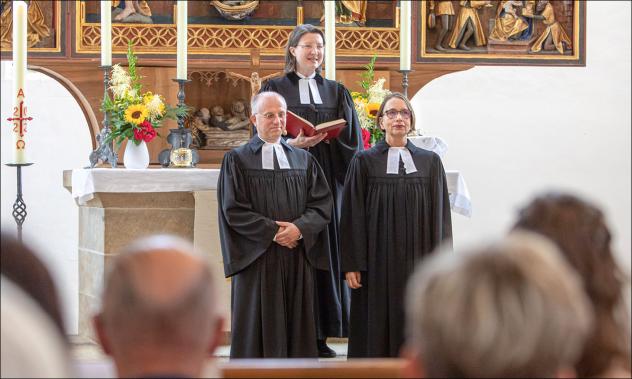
<point x="295" y="37"/>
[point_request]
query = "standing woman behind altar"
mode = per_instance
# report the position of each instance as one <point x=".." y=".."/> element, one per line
<point x="318" y="100"/>
<point x="395" y="211"/>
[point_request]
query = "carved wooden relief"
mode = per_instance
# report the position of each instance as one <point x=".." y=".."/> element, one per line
<point x="43" y="28"/>
<point x="503" y="31"/>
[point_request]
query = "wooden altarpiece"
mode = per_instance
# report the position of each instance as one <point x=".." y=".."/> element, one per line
<point x="223" y="53"/>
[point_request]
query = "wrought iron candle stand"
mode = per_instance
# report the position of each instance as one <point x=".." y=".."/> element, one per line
<point x="405" y="82"/>
<point x="180" y="154"/>
<point x="105" y="150"/>
<point x="19" y="206"/>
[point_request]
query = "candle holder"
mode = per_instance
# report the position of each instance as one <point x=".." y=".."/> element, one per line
<point x="105" y="150"/>
<point x="405" y="81"/>
<point x="19" y="206"/>
<point x="180" y="154"/>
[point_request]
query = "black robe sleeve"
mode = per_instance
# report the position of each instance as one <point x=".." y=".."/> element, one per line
<point x="244" y="233"/>
<point x="350" y="139"/>
<point x="318" y="212"/>
<point x="441" y="216"/>
<point x="353" y="231"/>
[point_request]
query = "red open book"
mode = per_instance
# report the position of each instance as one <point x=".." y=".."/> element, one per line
<point x="295" y="123"/>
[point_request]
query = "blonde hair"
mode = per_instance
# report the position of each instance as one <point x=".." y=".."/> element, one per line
<point x="512" y="309"/>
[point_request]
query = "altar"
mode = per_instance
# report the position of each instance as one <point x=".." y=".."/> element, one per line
<point x="117" y="206"/>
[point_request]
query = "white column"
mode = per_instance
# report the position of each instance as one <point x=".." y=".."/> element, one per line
<point x="106" y="33"/>
<point x="19" y="74"/>
<point x="330" y="40"/>
<point x="404" y="34"/>
<point x="182" y="40"/>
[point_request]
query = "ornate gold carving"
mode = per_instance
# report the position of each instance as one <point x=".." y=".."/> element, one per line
<point x="209" y="77"/>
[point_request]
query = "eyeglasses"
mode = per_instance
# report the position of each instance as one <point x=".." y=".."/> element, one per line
<point x="392" y="114"/>
<point x="312" y="47"/>
<point x="272" y="115"/>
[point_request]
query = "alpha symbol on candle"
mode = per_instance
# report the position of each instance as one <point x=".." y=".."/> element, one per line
<point x="20" y="125"/>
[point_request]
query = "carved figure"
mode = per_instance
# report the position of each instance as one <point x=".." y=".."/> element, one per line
<point x="239" y="119"/>
<point x="235" y="9"/>
<point x="468" y="24"/>
<point x="508" y="25"/>
<point x="554" y="36"/>
<point x="36" y="28"/>
<point x="255" y="80"/>
<point x="218" y="119"/>
<point x="445" y="11"/>
<point x="199" y="125"/>
<point x="133" y="11"/>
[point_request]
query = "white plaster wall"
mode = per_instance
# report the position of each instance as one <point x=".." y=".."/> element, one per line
<point x="57" y="139"/>
<point x="511" y="131"/>
<point x="517" y="131"/>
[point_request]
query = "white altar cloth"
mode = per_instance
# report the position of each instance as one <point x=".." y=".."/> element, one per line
<point x="86" y="182"/>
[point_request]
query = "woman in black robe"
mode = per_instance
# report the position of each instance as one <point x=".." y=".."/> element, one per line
<point x="318" y="100"/>
<point x="395" y="210"/>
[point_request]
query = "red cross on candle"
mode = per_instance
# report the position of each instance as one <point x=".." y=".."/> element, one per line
<point x="21" y="117"/>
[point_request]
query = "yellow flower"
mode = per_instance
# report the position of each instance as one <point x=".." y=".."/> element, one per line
<point x="371" y="109"/>
<point x="136" y="113"/>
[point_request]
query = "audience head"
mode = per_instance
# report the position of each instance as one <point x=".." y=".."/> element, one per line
<point x="31" y="344"/>
<point x="22" y="266"/>
<point x="511" y="309"/>
<point x="391" y="104"/>
<point x="579" y="229"/>
<point x="305" y="48"/>
<point x="159" y="312"/>
<point x="269" y="111"/>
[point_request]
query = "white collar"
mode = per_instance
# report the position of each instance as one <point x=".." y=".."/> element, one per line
<point x="268" y="151"/>
<point x="394" y="154"/>
<point x="308" y="84"/>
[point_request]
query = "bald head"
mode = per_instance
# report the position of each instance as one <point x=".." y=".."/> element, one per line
<point x="159" y="301"/>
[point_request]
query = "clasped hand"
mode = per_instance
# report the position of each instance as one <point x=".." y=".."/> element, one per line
<point x="353" y="279"/>
<point x="287" y="235"/>
<point x="301" y="141"/>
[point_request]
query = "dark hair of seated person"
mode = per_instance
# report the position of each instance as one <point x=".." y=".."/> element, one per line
<point x="22" y="266"/>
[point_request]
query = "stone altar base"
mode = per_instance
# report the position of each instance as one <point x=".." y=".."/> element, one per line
<point x="110" y="221"/>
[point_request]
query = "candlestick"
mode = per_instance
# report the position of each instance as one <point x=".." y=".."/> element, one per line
<point x="106" y="33"/>
<point x="105" y="150"/>
<point x="330" y="40"/>
<point x="19" y="74"/>
<point x="405" y="82"/>
<point x="182" y="40"/>
<point x="404" y="35"/>
<point x="180" y="154"/>
<point x="19" y="206"/>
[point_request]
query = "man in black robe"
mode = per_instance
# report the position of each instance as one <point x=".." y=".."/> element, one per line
<point x="334" y="157"/>
<point x="274" y="207"/>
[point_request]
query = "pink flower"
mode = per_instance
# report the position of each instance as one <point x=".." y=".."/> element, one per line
<point x="366" y="138"/>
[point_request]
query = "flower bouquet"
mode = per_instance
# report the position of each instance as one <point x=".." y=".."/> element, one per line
<point x="367" y="104"/>
<point x="135" y="115"/>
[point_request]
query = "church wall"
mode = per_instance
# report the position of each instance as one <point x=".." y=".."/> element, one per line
<point x="516" y="131"/>
<point x="511" y="131"/>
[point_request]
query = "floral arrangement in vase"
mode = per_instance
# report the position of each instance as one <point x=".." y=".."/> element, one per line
<point x="135" y="115"/>
<point x="367" y="104"/>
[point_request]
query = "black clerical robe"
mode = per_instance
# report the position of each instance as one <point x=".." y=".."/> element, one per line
<point x="334" y="158"/>
<point x="272" y="299"/>
<point x="389" y="223"/>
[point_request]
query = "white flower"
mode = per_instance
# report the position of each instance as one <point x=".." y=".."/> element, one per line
<point x="155" y="106"/>
<point x="376" y="92"/>
<point x="120" y="83"/>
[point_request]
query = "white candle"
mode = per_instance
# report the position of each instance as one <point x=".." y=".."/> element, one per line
<point x="330" y="40"/>
<point x="19" y="73"/>
<point x="106" y="33"/>
<point x="404" y="34"/>
<point x="182" y="40"/>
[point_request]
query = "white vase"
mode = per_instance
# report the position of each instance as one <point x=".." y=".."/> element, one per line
<point x="136" y="156"/>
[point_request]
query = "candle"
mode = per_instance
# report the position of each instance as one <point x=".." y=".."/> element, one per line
<point x="182" y="40"/>
<point x="404" y="34"/>
<point x="19" y="73"/>
<point x="106" y="33"/>
<point x="330" y="40"/>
